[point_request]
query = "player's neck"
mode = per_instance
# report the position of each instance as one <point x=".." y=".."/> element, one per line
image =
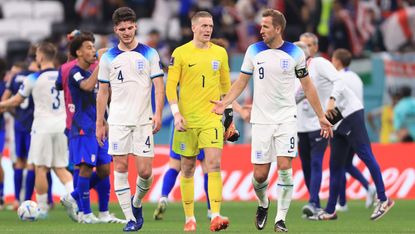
<point x="277" y="43"/>
<point x="128" y="47"/>
<point x="82" y="64"/>
<point x="46" y="65"/>
<point x="200" y="44"/>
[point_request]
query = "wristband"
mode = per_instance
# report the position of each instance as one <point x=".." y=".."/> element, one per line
<point x="174" y="108"/>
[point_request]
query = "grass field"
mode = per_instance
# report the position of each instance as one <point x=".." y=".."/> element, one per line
<point x="399" y="220"/>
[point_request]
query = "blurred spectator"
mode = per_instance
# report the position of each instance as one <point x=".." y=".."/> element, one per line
<point x="404" y="116"/>
<point x="154" y="41"/>
<point x="385" y="115"/>
<point x="226" y="17"/>
<point x="296" y="14"/>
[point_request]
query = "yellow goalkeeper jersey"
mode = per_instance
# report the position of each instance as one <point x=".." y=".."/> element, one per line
<point x="202" y="75"/>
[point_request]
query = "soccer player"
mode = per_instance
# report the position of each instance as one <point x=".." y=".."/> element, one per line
<point x="274" y="64"/>
<point x="350" y="131"/>
<point x="85" y="151"/>
<point x="201" y="70"/>
<point x="403" y="117"/>
<point x="130" y="68"/>
<point x="170" y="177"/>
<point x="48" y="142"/>
<point x="3" y="68"/>
<point x="23" y="118"/>
<point x="341" y="60"/>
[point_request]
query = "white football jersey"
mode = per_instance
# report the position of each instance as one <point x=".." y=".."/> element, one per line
<point x="323" y="75"/>
<point x="130" y="75"/>
<point x="274" y="72"/>
<point x="49" y="114"/>
<point x="353" y="81"/>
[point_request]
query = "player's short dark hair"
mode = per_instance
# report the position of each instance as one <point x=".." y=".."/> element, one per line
<point x="123" y="14"/>
<point x="48" y="50"/>
<point x="344" y="56"/>
<point x="278" y="18"/>
<point x="77" y="42"/>
<point x="200" y="14"/>
<point x="405" y="91"/>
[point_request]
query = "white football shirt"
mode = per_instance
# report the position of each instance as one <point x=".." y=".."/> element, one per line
<point x="353" y="81"/>
<point x="49" y="115"/>
<point x="130" y="75"/>
<point x="274" y="72"/>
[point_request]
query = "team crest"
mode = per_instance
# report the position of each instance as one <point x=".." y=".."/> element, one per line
<point x="182" y="146"/>
<point x="215" y="65"/>
<point x="285" y="64"/>
<point x="171" y="63"/>
<point x="258" y="154"/>
<point x="140" y="65"/>
<point x="93" y="157"/>
<point x="115" y="146"/>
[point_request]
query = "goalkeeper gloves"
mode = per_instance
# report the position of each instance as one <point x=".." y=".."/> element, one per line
<point x="231" y="134"/>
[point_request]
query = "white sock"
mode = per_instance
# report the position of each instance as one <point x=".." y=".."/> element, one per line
<point x="261" y="192"/>
<point x="143" y="185"/>
<point x="42" y="201"/>
<point x="69" y="187"/>
<point x="123" y="192"/>
<point x="284" y="193"/>
<point x="104" y="213"/>
<point x="190" y="218"/>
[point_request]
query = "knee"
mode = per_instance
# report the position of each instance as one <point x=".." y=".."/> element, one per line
<point x="103" y="171"/>
<point x="260" y="176"/>
<point x="144" y="173"/>
<point x="213" y="165"/>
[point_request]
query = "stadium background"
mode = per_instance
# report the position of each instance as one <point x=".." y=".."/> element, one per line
<point x="381" y="35"/>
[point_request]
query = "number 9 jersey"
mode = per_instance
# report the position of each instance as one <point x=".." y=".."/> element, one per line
<point x="49" y="114"/>
<point x="202" y="75"/>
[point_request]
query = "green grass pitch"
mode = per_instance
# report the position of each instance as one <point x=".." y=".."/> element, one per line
<point x="399" y="220"/>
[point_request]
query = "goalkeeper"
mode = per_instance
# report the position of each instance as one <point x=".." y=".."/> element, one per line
<point x="201" y="70"/>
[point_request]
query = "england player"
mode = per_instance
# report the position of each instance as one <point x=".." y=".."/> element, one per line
<point x="274" y="64"/>
<point x="341" y="60"/>
<point x="48" y="148"/>
<point x="130" y="68"/>
<point x="350" y="131"/>
<point x="201" y="70"/>
<point x="84" y="149"/>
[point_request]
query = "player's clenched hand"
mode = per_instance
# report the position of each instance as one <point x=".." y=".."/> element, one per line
<point x="330" y="110"/>
<point x="179" y="122"/>
<point x="101" y="133"/>
<point x="325" y="125"/>
<point x="219" y="107"/>
<point x="156" y="123"/>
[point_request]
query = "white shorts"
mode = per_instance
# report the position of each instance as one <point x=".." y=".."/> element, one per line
<point x="49" y="149"/>
<point x="138" y="140"/>
<point x="272" y="140"/>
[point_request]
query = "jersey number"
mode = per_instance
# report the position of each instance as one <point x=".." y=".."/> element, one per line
<point x="261" y="73"/>
<point x="292" y="143"/>
<point x="56" y="102"/>
<point x="120" y="77"/>
<point x="203" y="81"/>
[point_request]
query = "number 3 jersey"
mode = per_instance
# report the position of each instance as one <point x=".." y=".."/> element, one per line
<point x="202" y="75"/>
<point x="274" y="72"/>
<point x="130" y="75"/>
<point x="49" y="114"/>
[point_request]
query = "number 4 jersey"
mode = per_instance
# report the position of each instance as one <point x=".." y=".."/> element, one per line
<point x="49" y="114"/>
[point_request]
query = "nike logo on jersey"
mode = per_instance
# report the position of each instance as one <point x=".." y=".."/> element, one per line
<point x="319" y="139"/>
<point x="348" y="133"/>
<point x="213" y="142"/>
<point x="259" y="63"/>
<point x="146" y="151"/>
<point x="117" y="67"/>
<point x="290" y="151"/>
<point x="191" y="65"/>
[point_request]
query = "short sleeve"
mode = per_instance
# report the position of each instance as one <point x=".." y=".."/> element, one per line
<point x="26" y="87"/>
<point x="248" y="64"/>
<point x="155" y="65"/>
<point x="104" y="69"/>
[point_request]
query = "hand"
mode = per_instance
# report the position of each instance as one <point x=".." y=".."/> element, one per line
<point x="231" y="133"/>
<point x="179" y="122"/>
<point x="330" y="111"/>
<point x="101" y="133"/>
<point x="156" y="123"/>
<point x="325" y="125"/>
<point x="219" y="107"/>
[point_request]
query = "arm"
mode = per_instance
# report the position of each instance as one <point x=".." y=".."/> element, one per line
<point x="243" y="111"/>
<point x="237" y="87"/>
<point x="159" y="93"/>
<point x="6" y="95"/>
<point x="312" y="97"/>
<point x="102" y="100"/>
<point x="12" y="102"/>
<point x="90" y="83"/>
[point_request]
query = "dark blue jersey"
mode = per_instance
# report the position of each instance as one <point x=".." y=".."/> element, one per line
<point x="23" y="117"/>
<point x="2" y="89"/>
<point x="84" y="118"/>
